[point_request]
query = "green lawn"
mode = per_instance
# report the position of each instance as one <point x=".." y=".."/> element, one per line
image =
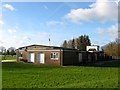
<point x="8" y="57"/>
<point x="24" y="75"/>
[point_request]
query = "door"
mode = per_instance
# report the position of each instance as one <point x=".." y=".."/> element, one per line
<point x="40" y="58"/>
<point x="80" y="57"/>
<point x="31" y="57"/>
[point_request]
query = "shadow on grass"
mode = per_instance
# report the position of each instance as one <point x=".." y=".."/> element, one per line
<point x="112" y="63"/>
<point x="21" y="65"/>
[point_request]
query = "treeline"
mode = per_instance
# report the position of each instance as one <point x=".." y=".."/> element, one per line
<point x="112" y="49"/>
<point x="77" y="43"/>
<point x="9" y="51"/>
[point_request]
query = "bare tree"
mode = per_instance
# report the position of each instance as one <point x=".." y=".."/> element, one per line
<point x="3" y="51"/>
<point x="112" y="49"/>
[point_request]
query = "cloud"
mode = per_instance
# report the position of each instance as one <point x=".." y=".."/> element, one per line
<point x="25" y="40"/>
<point x="100" y="31"/>
<point x="45" y="7"/>
<point x="54" y="23"/>
<point x="99" y="11"/>
<point x="10" y="7"/>
<point x="1" y="42"/>
<point x="14" y="37"/>
<point x="1" y="22"/>
<point x="111" y="31"/>
<point x="12" y="31"/>
<point x="43" y="34"/>
<point x="106" y="35"/>
<point x="117" y="1"/>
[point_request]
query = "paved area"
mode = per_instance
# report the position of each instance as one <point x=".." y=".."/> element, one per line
<point x="8" y="61"/>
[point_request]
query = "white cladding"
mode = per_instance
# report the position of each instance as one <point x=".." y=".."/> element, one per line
<point x="41" y="58"/>
<point x="31" y="57"/>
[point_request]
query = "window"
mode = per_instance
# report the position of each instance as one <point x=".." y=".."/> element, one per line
<point x="54" y="56"/>
<point x="21" y="54"/>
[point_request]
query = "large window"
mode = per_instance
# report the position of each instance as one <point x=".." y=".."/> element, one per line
<point x="54" y="55"/>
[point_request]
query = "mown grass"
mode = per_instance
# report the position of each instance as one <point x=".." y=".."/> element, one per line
<point x="24" y="75"/>
<point x="8" y="57"/>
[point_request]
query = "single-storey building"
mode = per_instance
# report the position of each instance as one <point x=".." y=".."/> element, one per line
<point x="58" y="55"/>
<point x="90" y="57"/>
<point x="48" y="55"/>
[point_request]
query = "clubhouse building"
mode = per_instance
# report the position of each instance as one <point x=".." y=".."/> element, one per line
<point x="58" y="55"/>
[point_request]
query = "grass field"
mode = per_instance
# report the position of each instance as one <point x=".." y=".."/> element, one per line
<point x="8" y="57"/>
<point x="24" y="75"/>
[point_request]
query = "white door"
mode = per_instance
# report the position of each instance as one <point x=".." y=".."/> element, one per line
<point x="31" y="57"/>
<point x="80" y="57"/>
<point x="40" y="58"/>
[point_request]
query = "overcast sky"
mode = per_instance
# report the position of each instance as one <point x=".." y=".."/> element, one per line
<point x="26" y="23"/>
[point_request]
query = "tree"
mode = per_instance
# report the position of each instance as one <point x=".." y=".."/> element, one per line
<point x="64" y="44"/>
<point x="3" y="52"/>
<point x="73" y="43"/>
<point x="12" y="51"/>
<point x="112" y="49"/>
<point x="78" y="43"/>
<point x="88" y="41"/>
<point x="69" y="45"/>
<point x="82" y="42"/>
<point x="8" y="53"/>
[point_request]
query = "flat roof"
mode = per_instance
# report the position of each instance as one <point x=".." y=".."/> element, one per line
<point x="53" y="47"/>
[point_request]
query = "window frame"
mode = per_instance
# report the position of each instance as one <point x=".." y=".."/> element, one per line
<point x="55" y="55"/>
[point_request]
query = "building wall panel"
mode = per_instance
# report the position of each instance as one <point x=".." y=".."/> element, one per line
<point x="70" y="58"/>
